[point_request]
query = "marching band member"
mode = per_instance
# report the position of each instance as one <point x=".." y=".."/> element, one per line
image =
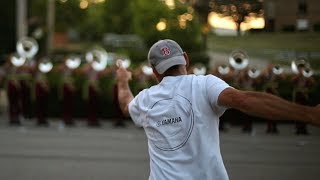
<point x="25" y="81"/>
<point x="68" y="98"/>
<point x="272" y="75"/>
<point x="42" y="90"/>
<point x="239" y="61"/>
<point x="223" y="72"/>
<point x="41" y="97"/>
<point x="13" y="91"/>
<point x="302" y="81"/>
<point x="68" y="89"/>
<point x="96" y="63"/>
<point x="91" y="93"/>
<point x="119" y="117"/>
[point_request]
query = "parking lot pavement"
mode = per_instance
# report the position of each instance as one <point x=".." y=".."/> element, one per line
<point x="81" y="153"/>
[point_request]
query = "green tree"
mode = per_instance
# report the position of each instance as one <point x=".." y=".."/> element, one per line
<point x="68" y="15"/>
<point x="117" y="16"/>
<point x="238" y="9"/>
<point x="147" y="14"/>
<point x="92" y="27"/>
<point x="202" y="8"/>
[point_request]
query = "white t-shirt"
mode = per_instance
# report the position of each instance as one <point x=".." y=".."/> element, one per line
<point x="180" y="116"/>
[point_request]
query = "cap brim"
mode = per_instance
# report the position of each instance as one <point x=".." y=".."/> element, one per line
<point x="165" y="65"/>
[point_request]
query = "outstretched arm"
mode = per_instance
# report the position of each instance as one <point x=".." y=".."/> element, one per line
<point x="124" y="93"/>
<point x="268" y="106"/>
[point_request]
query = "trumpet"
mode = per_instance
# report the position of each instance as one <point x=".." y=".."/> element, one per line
<point x="45" y="65"/>
<point x="98" y="58"/>
<point x="238" y="59"/>
<point x="27" y="47"/>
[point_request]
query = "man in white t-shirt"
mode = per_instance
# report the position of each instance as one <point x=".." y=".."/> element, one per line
<point x="180" y="115"/>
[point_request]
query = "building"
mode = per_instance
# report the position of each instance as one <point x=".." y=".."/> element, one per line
<point x="292" y="15"/>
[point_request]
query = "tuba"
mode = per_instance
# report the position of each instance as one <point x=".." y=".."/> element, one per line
<point x="238" y="59"/>
<point x="27" y="47"/>
<point x="98" y="58"/>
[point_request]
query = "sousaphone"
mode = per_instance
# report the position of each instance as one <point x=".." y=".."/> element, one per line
<point x="238" y="59"/>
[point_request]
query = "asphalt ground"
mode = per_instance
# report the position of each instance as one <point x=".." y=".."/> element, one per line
<point x="29" y="152"/>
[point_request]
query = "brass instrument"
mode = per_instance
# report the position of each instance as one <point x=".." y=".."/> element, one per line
<point x="254" y="73"/>
<point x="147" y="70"/>
<point x="199" y="69"/>
<point x="125" y="63"/>
<point x="223" y="69"/>
<point x="27" y="47"/>
<point x="301" y="65"/>
<point x="17" y="60"/>
<point x="307" y="72"/>
<point x="277" y="70"/>
<point x="73" y="62"/>
<point x="238" y="59"/>
<point x="98" y="58"/>
<point x="45" y="65"/>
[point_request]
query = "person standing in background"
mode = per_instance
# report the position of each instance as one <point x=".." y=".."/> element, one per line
<point x="302" y="83"/>
<point x="272" y="75"/>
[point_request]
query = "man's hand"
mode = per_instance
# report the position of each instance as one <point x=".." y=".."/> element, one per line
<point x="124" y="93"/>
<point x="269" y="106"/>
<point x="123" y="75"/>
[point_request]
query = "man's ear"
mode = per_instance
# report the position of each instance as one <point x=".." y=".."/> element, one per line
<point x="155" y="72"/>
<point x="186" y="58"/>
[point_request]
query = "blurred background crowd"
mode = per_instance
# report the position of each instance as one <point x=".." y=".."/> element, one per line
<point x="57" y="57"/>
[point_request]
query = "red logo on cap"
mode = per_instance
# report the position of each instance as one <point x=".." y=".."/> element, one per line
<point x="165" y="51"/>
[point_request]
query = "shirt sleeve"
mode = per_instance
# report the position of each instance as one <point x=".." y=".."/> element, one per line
<point x="135" y="110"/>
<point x="214" y="87"/>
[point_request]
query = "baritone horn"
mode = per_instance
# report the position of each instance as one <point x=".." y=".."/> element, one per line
<point x="238" y="59"/>
<point x="45" y="65"/>
<point x="254" y="73"/>
<point x="199" y="69"/>
<point x="73" y="62"/>
<point x="223" y="69"/>
<point x="277" y="69"/>
<point x="17" y="60"/>
<point x="147" y="70"/>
